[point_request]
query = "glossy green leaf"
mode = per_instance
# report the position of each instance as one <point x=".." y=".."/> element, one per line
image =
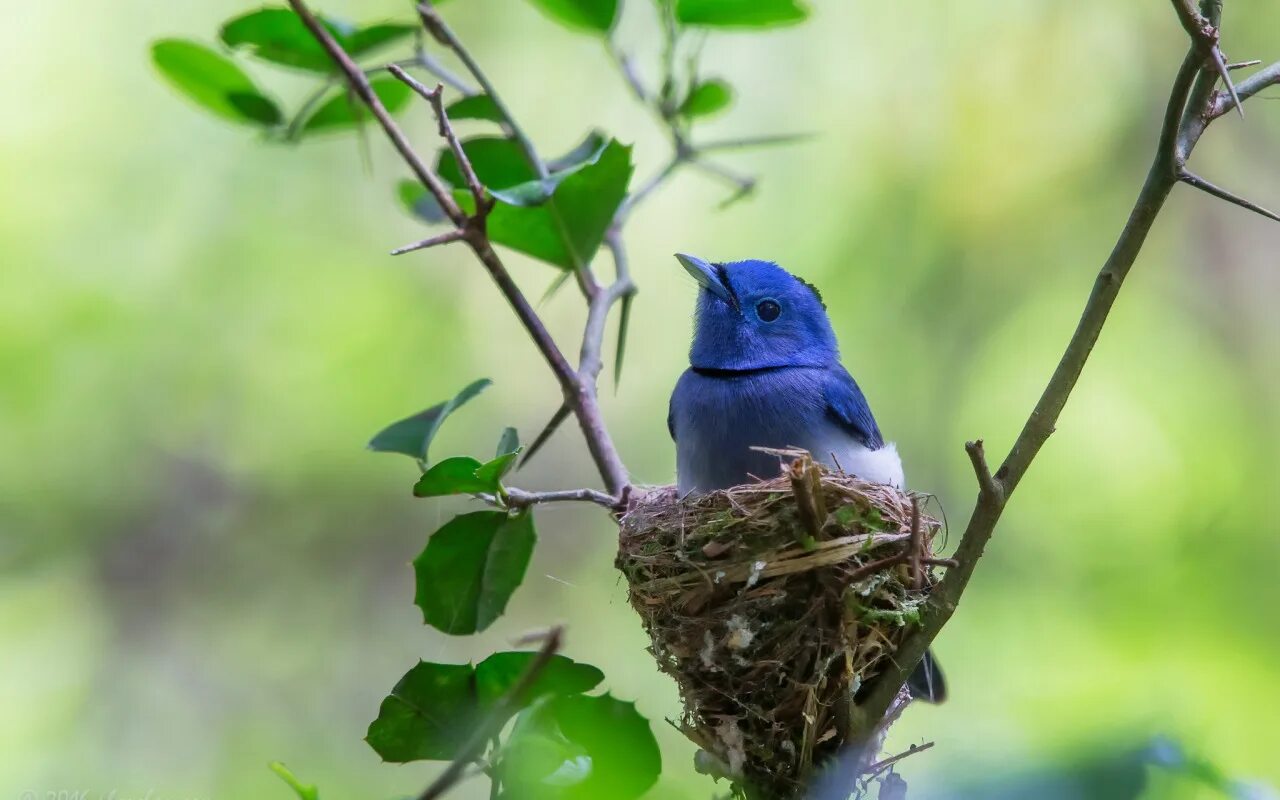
<point x="455" y="475"/>
<point x="577" y="747"/>
<point x="586" y="150"/>
<point x="567" y="228"/>
<point x="412" y="435"/>
<point x="596" y="16"/>
<point x="435" y="707"/>
<point x="498" y="674"/>
<point x="428" y="714"/>
<point x="508" y="442"/>
<point x="420" y="203"/>
<point x="304" y="791"/>
<point x="344" y="109"/>
<point x="479" y="106"/>
<point x="365" y="40"/>
<point x="279" y="36"/>
<point x="471" y="567"/>
<point x="707" y="98"/>
<point x="213" y="82"/>
<point x="740" y="13"/>
<point x="497" y="161"/>
<point x="492" y="472"/>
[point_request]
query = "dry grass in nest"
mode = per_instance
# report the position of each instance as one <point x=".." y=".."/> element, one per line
<point x="771" y="604"/>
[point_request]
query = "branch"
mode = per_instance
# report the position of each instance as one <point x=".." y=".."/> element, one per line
<point x="491" y="725"/>
<point x="518" y="498"/>
<point x="436" y="26"/>
<point x="1186" y="115"/>
<point x="432" y="96"/>
<point x="360" y="84"/>
<point x="579" y="395"/>
<point x="1247" y="88"/>
<point x="1204" y="33"/>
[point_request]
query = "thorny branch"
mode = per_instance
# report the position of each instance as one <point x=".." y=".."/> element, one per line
<point x="1192" y="105"/>
<point x="579" y="391"/>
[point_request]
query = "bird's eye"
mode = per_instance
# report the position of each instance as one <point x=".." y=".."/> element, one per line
<point x="768" y="310"/>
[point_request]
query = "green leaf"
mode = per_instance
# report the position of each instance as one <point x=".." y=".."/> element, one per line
<point x="434" y="708"/>
<point x="279" y="36"/>
<point x="419" y="202"/>
<point x="498" y="162"/>
<point x="586" y="150"/>
<point x="508" y="442"/>
<point x="498" y="674"/>
<point x="740" y="13"/>
<point x="596" y="16"/>
<point x="412" y="435"/>
<point x="455" y="475"/>
<point x="494" y="471"/>
<point x="304" y="791"/>
<point x="577" y="747"/>
<point x="465" y="475"/>
<point x="428" y="714"/>
<point x="567" y="228"/>
<point x="213" y="82"/>
<point x="477" y="106"/>
<point x="344" y="109"/>
<point x="471" y="567"/>
<point x="365" y="40"/>
<point x="707" y="98"/>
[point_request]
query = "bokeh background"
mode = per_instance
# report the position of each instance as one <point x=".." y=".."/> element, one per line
<point x="201" y="570"/>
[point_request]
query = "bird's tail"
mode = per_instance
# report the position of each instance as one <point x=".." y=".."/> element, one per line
<point x="926" y="682"/>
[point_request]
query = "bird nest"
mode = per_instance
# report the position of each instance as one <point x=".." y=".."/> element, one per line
<point x="772" y="604"/>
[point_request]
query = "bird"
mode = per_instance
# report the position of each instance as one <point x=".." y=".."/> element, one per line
<point x="765" y="371"/>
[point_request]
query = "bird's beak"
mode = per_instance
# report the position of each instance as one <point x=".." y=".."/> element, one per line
<point x="705" y="274"/>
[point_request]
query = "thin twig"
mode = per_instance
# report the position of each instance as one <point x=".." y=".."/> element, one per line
<point x="493" y="721"/>
<point x="453" y="235"/>
<point x="1270" y="76"/>
<point x="518" y="498"/>
<point x="880" y="766"/>
<point x="360" y="84"/>
<point x="917" y="547"/>
<point x="437" y="27"/>
<point x="433" y="97"/>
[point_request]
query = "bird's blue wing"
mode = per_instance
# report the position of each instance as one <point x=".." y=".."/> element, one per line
<point x="848" y="407"/>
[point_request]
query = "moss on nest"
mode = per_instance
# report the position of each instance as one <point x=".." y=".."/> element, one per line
<point x="771" y="604"/>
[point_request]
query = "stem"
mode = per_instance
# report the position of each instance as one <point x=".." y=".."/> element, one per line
<point x="434" y="23"/>
<point x="492" y="723"/>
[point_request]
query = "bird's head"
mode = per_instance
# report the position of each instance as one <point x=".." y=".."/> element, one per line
<point x="756" y="315"/>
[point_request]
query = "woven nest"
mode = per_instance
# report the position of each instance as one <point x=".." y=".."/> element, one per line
<point x="772" y="604"/>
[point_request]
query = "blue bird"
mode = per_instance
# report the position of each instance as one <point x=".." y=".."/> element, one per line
<point x="764" y="371"/>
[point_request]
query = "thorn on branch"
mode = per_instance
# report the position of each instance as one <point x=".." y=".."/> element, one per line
<point x="457" y="234"/>
<point x="1205" y="35"/>
<point x="1191" y="179"/>
<point x="880" y="766"/>
<point x="557" y="418"/>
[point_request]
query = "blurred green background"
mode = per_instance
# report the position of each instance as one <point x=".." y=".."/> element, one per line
<point x="201" y="570"/>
